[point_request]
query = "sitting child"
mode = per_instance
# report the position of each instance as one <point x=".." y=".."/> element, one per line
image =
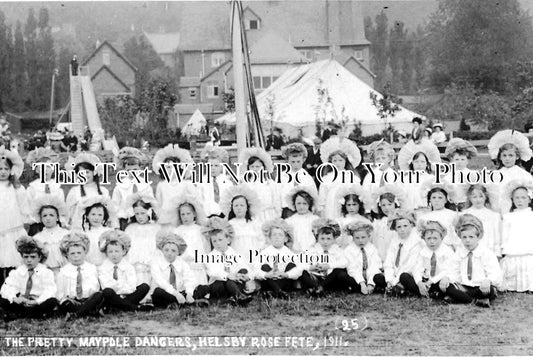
<point x="364" y="262"/>
<point x="401" y="255"/>
<point x="475" y="272"/>
<point x="172" y="275"/>
<point x="277" y="276"/>
<point x="432" y="263"/>
<point x="227" y="271"/>
<point x="29" y="290"/>
<point x="117" y="276"/>
<point x="331" y="273"/>
<point x="78" y="289"/>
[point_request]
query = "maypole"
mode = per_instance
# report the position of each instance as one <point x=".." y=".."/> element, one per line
<point x="238" y="75"/>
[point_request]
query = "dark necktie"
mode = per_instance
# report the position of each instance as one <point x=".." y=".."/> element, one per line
<point x="79" y="286"/>
<point x="115" y="272"/>
<point x="365" y="263"/>
<point x="216" y="190"/>
<point x="433" y="262"/>
<point x="469" y="266"/>
<point x="172" y="278"/>
<point x="46" y="188"/>
<point x="398" y="255"/>
<point x="29" y="283"/>
<point x="275" y="268"/>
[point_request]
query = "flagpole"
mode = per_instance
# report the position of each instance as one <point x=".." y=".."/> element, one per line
<point x="238" y="75"/>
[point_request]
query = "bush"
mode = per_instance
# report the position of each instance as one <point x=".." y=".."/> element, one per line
<point x="474" y="135"/>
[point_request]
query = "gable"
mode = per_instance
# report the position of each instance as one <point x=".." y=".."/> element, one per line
<point x="111" y="80"/>
<point x="106" y="45"/>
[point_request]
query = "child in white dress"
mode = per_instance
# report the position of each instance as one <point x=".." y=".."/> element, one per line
<point x="382" y="156"/>
<point x="517" y="245"/>
<point x="479" y="204"/>
<point x="142" y="230"/>
<point x="350" y="204"/>
<point x="507" y="148"/>
<point x="13" y="210"/>
<point x="259" y="161"/>
<point x="129" y="159"/>
<point x="98" y="213"/>
<point x="302" y="199"/>
<point x="213" y="190"/>
<point x="190" y="219"/>
<point x="343" y="156"/>
<point x="86" y="164"/>
<point x="460" y="152"/>
<point x="48" y="210"/>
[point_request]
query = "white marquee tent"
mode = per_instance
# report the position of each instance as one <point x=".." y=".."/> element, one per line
<point x="194" y="124"/>
<point x="293" y="101"/>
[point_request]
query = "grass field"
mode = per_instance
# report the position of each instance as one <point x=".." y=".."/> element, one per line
<point x="384" y="325"/>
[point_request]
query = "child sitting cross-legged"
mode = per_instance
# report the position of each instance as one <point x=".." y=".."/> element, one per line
<point x="364" y="262"/>
<point x="432" y="263"/>
<point x="117" y="276"/>
<point x="475" y="273"/>
<point x="330" y="271"/>
<point x="78" y="289"/>
<point x="29" y="290"/>
<point x="275" y="275"/>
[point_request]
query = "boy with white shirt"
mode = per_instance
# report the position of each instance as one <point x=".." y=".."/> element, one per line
<point x="171" y="274"/>
<point x="432" y="263"/>
<point x="401" y="256"/>
<point x="364" y="262"/>
<point x="475" y="273"/>
<point x="117" y="276"/>
<point x="330" y="273"/>
<point x="78" y="289"/>
<point x="277" y="276"/>
<point x="29" y="290"/>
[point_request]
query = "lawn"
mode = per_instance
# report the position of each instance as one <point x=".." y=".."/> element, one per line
<point x="384" y="325"/>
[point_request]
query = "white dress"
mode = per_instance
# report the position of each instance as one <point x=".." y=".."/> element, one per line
<point x="460" y="188"/>
<point x="125" y="189"/>
<point x="303" y="232"/>
<point x="345" y="239"/>
<point x="51" y="237"/>
<point x="143" y="249"/>
<point x="74" y="198"/>
<point x="13" y="211"/>
<point x="382" y="236"/>
<point x="248" y="237"/>
<point x="414" y="197"/>
<point x="36" y="189"/>
<point x="269" y="198"/>
<point x="327" y="192"/>
<point x="509" y="174"/>
<point x="167" y="192"/>
<point x="517" y="246"/>
<point x="371" y="187"/>
<point x="94" y="255"/>
<point x="492" y="223"/>
<point x="196" y="244"/>
<point x="447" y="218"/>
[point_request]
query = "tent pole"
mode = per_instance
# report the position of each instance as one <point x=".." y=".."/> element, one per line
<point x="238" y="73"/>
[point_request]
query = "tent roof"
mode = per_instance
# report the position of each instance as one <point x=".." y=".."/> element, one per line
<point x="195" y="123"/>
<point x="294" y="96"/>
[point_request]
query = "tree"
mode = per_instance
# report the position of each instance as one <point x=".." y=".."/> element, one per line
<point x="397" y="39"/>
<point x="46" y="59"/>
<point x="378" y="39"/>
<point x="387" y="105"/>
<point x="476" y="42"/>
<point x="30" y="33"/>
<point x="407" y="63"/>
<point x="5" y="61"/>
<point x="419" y="58"/>
<point x="20" y="88"/>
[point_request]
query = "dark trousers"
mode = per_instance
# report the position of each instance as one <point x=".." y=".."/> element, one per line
<point x="410" y="285"/>
<point x="338" y="279"/>
<point x="4" y="273"/>
<point x="466" y="294"/>
<point x="224" y="289"/>
<point x="161" y="298"/>
<point x="83" y="307"/>
<point x="356" y="288"/>
<point x="36" y="311"/>
<point x="128" y="302"/>
<point x="380" y="282"/>
<point x="277" y="285"/>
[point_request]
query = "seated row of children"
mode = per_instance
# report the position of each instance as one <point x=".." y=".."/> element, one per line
<point x="472" y="273"/>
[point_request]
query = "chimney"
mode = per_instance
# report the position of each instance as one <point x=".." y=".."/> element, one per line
<point x="333" y="25"/>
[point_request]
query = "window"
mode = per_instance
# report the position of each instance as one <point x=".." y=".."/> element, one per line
<point x="106" y="58"/>
<point x="266" y="81"/>
<point x="308" y="54"/>
<point x="217" y="58"/>
<point x="212" y="90"/>
<point x="254" y="24"/>
<point x="358" y="54"/>
<point x="192" y="92"/>
<point x="257" y="82"/>
<point x="263" y="82"/>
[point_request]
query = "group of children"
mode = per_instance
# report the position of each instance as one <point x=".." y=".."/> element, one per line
<point x="189" y="243"/>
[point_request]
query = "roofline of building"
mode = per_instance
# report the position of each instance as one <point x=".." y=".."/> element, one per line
<point x="115" y="50"/>
<point x="104" y="67"/>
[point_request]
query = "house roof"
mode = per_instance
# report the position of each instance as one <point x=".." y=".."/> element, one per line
<point x="221" y="67"/>
<point x="164" y="43"/>
<point x="107" y="69"/>
<point x="189" y="82"/>
<point x="114" y="50"/>
<point x="343" y="59"/>
<point x="273" y="49"/>
<point x="247" y="9"/>
<point x="206" y="25"/>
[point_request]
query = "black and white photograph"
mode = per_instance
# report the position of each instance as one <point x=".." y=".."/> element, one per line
<point x="273" y="177"/>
